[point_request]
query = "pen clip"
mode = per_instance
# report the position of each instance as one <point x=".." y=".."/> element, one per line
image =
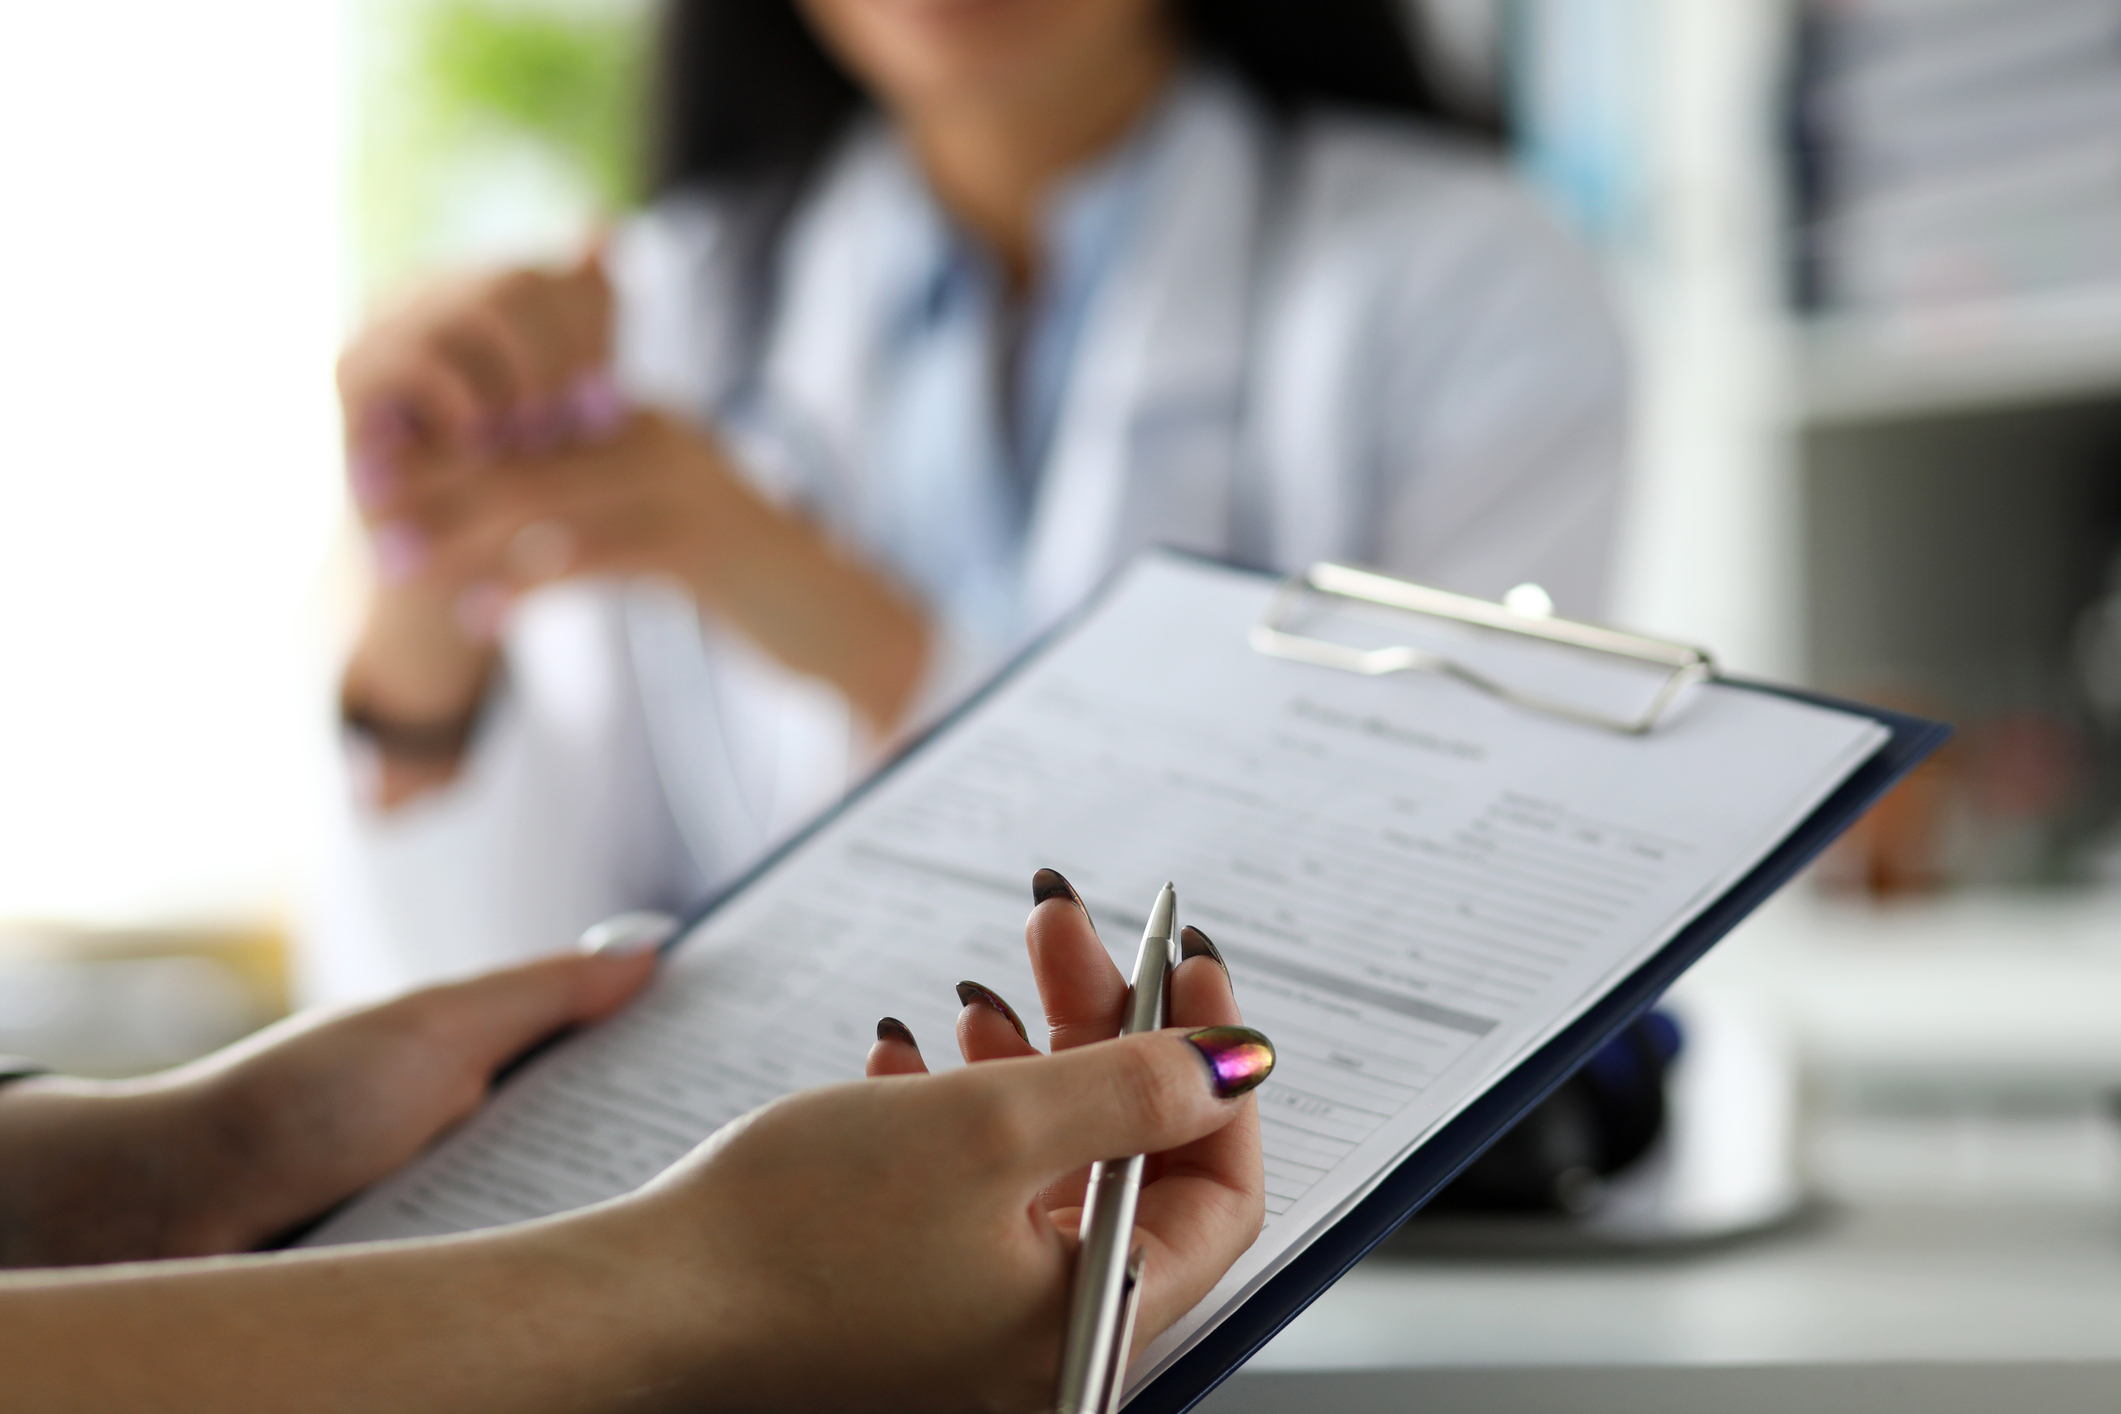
<point x="1123" y="1342"/>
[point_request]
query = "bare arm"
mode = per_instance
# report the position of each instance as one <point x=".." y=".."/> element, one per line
<point x="555" y="1319"/>
<point x="901" y="1242"/>
<point x="486" y="462"/>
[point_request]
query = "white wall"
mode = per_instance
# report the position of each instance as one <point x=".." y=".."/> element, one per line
<point x="169" y="276"/>
<point x="1710" y="551"/>
<point x="1651" y="124"/>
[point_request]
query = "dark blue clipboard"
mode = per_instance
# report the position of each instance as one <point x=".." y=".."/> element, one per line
<point x="1239" y="1337"/>
<point x="1225" y="1349"/>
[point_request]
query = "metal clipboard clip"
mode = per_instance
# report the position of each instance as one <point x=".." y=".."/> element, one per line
<point x="1681" y="666"/>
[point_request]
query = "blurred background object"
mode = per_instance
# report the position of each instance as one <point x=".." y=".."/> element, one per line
<point x="123" y="1001"/>
<point x="1959" y="153"/>
<point x="1955" y="256"/>
<point x="168" y="502"/>
<point x="491" y="129"/>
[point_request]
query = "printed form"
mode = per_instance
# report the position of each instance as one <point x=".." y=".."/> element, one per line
<point x="1415" y="886"/>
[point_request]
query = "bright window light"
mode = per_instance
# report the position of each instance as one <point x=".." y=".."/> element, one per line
<point x="168" y="466"/>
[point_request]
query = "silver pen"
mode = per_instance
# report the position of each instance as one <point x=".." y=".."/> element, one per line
<point x="1108" y="1273"/>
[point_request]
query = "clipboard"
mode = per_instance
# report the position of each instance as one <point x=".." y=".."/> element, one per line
<point x="1223" y="1351"/>
<point x="1912" y="740"/>
<point x="1422" y="1175"/>
<point x="1894" y="745"/>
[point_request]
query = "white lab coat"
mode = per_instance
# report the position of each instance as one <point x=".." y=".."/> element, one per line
<point x="1355" y="340"/>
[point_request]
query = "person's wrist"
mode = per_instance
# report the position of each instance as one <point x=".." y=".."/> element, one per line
<point x="414" y="662"/>
<point x="434" y="741"/>
<point x="413" y="693"/>
<point x="100" y="1171"/>
<point x="677" y="1322"/>
<point x="781" y="578"/>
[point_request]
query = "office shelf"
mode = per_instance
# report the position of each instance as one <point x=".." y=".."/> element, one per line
<point x="2058" y="348"/>
<point x="1998" y="997"/>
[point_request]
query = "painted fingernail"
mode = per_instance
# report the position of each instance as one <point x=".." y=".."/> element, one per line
<point x="595" y="407"/>
<point x="627" y="933"/>
<point x="371" y="477"/>
<point x="1051" y="883"/>
<point x="970" y="992"/>
<point x="890" y="1028"/>
<point x="400" y="551"/>
<point x="1194" y="943"/>
<point x="1238" y="1057"/>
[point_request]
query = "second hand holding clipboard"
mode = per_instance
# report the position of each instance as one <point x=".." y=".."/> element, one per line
<point x="1436" y="901"/>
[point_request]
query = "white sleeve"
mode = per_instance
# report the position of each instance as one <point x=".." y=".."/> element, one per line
<point x="557" y="820"/>
<point x="1505" y="405"/>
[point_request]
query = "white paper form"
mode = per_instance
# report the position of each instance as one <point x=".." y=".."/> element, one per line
<point x="1415" y="887"/>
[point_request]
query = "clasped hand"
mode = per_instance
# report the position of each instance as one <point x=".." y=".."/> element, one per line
<point x="490" y="453"/>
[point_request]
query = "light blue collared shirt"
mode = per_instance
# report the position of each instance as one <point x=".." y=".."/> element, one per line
<point x="972" y="389"/>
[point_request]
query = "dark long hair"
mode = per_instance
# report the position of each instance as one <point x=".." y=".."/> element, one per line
<point x="744" y="90"/>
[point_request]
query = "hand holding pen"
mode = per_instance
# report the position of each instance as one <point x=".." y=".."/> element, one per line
<point x="1200" y="1204"/>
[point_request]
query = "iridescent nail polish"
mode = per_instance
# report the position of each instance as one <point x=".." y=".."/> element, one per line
<point x="970" y="992"/>
<point x="1053" y="885"/>
<point x="1238" y="1057"/>
<point x="1050" y="883"/>
<point x="890" y="1028"/>
<point x="1194" y="943"/>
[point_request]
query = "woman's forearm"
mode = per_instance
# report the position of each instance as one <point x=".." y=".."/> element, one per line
<point x="811" y="603"/>
<point x="532" y="1320"/>
<point x="414" y="670"/>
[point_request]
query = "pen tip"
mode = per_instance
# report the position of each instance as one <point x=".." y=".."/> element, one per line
<point x="1163" y="914"/>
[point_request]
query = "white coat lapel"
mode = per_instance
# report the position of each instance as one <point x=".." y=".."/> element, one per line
<point x="1150" y="428"/>
<point x="843" y="263"/>
<point x="747" y="749"/>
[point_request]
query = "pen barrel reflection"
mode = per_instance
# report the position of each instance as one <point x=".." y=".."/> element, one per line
<point x="1094" y="1360"/>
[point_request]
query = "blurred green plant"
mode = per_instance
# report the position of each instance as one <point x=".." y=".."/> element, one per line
<point x="491" y="129"/>
<point x="566" y="79"/>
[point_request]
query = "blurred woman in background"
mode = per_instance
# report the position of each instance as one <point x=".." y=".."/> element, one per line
<point x="945" y="308"/>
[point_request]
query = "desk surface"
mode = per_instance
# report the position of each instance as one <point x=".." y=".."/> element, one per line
<point x="1929" y="1305"/>
<point x="1990" y="1388"/>
<point x="2023" y="1279"/>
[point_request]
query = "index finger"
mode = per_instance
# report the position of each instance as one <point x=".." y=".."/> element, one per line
<point x="1084" y="995"/>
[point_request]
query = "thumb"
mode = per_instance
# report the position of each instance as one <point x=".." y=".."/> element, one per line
<point x="1133" y="1095"/>
<point x="499" y="1015"/>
